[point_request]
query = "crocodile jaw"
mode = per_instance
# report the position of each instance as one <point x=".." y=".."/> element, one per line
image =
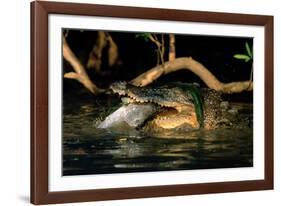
<point x="174" y="116"/>
<point x="172" y="119"/>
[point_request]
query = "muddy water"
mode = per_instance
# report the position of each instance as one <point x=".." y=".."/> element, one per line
<point x="87" y="150"/>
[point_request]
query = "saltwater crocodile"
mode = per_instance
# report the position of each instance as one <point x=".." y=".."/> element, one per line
<point x="171" y="106"/>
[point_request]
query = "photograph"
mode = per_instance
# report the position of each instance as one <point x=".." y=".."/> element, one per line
<point x="131" y="102"/>
<point x="149" y="102"/>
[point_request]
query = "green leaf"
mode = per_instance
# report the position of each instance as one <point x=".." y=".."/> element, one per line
<point x="197" y="98"/>
<point x="198" y="103"/>
<point x="248" y="50"/>
<point x="145" y="36"/>
<point x="242" y="56"/>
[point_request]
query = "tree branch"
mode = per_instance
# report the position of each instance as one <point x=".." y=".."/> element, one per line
<point x="197" y="68"/>
<point x="154" y="39"/>
<point x="112" y="51"/>
<point x="172" y="47"/>
<point x="160" y="47"/>
<point x="80" y="73"/>
<point x="95" y="56"/>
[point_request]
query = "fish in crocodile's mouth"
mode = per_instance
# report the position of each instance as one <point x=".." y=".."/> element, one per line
<point x="176" y="106"/>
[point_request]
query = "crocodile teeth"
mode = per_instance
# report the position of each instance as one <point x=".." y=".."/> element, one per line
<point x="121" y="93"/>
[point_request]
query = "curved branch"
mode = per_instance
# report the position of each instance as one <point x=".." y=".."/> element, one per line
<point x="197" y="68"/>
<point x="80" y="73"/>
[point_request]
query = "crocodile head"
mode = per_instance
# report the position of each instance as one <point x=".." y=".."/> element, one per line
<point x="178" y="104"/>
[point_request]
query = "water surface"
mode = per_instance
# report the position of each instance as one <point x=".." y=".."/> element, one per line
<point x="87" y="150"/>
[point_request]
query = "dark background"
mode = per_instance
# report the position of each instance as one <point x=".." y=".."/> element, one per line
<point x="137" y="56"/>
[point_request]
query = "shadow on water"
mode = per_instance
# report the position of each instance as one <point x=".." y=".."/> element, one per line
<point x="87" y="150"/>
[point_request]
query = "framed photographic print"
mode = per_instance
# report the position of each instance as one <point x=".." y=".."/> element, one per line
<point x="131" y="102"/>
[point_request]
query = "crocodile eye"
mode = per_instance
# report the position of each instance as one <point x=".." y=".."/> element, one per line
<point x="118" y="85"/>
<point x="123" y="84"/>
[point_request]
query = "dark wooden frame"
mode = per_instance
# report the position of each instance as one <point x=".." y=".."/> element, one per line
<point x="39" y="102"/>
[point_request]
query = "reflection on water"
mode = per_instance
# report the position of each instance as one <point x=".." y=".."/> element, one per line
<point x="87" y="150"/>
